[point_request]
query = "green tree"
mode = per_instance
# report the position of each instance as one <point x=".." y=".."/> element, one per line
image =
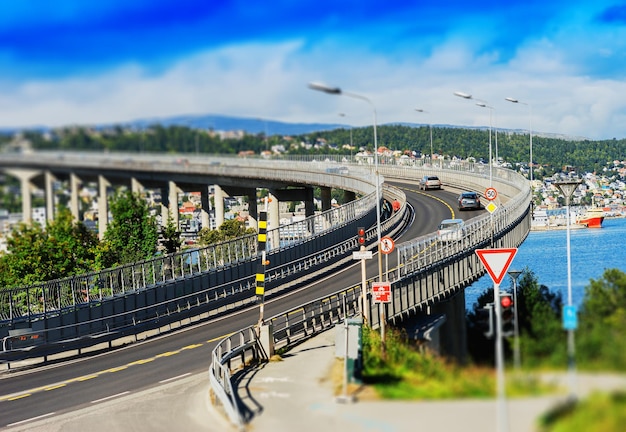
<point x="171" y="236"/>
<point x="35" y="255"/>
<point x="542" y="340"/>
<point x="131" y="235"/>
<point x="602" y="323"/>
<point x="230" y="229"/>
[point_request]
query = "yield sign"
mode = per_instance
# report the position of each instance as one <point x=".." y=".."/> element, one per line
<point x="496" y="261"/>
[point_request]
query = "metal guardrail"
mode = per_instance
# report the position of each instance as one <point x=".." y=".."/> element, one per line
<point x="236" y="351"/>
<point x="40" y="299"/>
<point x="413" y="256"/>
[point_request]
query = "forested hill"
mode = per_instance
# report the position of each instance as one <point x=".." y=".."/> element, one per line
<point x="551" y="153"/>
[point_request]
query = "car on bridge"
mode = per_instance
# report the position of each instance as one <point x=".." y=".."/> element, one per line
<point x="451" y="230"/>
<point x="430" y="182"/>
<point x="468" y="201"/>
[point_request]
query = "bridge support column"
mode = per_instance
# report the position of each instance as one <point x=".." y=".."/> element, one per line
<point x="74" y="207"/>
<point x="326" y="198"/>
<point x="273" y="219"/>
<point x="26" y="185"/>
<point x="135" y="186"/>
<point x="172" y="203"/>
<point x="253" y="210"/>
<point x="49" y="182"/>
<point x="304" y="194"/>
<point x="205" y="207"/>
<point x="218" y="198"/>
<point x="309" y="205"/>
<point x="103" y="205"/>
<point x="454" y="331"/>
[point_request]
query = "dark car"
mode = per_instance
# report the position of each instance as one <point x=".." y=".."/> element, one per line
<point x="430" y="182"/>
<point x="469" y="200"/>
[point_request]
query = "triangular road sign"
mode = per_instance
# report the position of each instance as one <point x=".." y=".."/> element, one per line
<point x="496" y="261"/>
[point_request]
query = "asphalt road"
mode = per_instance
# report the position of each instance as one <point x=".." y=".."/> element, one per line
<point x="72" y="385"/>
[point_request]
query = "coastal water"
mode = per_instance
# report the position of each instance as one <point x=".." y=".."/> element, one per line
<point x="545" y="253"/>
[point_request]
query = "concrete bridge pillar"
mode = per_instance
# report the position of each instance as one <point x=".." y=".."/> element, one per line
<point x="74" y="206"/>
<point x="172" y="202"/>
<point x="326" y="198"/>
<point x="49" y="188"/>
<point x="26" y="185"/>
<point x="250" y="193"/>
<point x="273" y="218"/>
<point x="454" y="331"/>
<point x="136" y="187"/>
<point x="103" y="205"/>
<point x="205" y="207"/>
<point x="309" y="205"/>
<point x="218" y="198"/>
<point x="253" y="210"/>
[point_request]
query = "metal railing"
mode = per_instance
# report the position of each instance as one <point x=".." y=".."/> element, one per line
<point x="413" y="256"/>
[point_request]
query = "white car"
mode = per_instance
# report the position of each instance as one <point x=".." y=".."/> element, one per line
<point x="430" y="182"/>
<point x="451" y="230"/>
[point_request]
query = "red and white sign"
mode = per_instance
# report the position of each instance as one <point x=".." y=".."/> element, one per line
<point x="381" y="291"/>
<point x="491" y="193"/>
<point x="386" y="245"/>
<point x="496" y="261"/>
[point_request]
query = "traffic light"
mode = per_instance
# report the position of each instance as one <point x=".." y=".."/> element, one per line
<point x="486" y="319"/>
<point x="507" y="314"/>
<point x="361" y="236"/>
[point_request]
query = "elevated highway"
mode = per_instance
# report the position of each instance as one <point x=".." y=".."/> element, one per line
<point x="132" y="368"/>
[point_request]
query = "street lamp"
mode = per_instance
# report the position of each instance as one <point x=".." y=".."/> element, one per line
<point x="516" y="353"/>
<point x="430" y="125"/>
<point x="337" y="91"/>
<point x="483" y="104"/>
<point x="567" y="188"/>
<point x="530" y="132"/>
<point x="491" y="110"/>
<point x="343" y="115"/>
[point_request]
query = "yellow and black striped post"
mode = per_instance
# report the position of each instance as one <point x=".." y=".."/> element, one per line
<point x="260" y="272"/>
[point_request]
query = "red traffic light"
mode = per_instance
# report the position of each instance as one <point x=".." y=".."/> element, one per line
<point x="361" y="234"/>
<point x="506" y="302"/>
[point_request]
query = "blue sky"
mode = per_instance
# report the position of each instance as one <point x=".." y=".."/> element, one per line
<point x="69" y="62"/>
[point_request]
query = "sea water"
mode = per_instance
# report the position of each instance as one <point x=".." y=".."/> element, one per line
<point x="592" y="250"/>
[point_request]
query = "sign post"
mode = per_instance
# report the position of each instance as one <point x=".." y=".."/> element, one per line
<point x="386" y="247"/>
<point x="497" y="262"/>
<point x="362" y="255"/>
<point x="381" y="291"/>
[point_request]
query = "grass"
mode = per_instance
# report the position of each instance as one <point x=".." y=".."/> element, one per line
<point x="601" y="412"/>
<point x="403" y="371"/>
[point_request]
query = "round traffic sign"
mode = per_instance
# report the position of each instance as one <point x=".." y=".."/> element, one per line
<point x="491" y="193"/>
<point x="386" y="245"/>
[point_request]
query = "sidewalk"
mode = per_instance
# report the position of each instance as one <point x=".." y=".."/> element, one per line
<point x="296" y="394"/>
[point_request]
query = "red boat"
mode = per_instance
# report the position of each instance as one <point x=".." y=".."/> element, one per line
<point x="591" y="218"/>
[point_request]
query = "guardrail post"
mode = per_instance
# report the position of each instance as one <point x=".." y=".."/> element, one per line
<point x="266" y="339"/>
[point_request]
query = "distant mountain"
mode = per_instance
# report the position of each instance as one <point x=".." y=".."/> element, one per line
<point x="269" y="127"/>
<point x="225" y="123"/>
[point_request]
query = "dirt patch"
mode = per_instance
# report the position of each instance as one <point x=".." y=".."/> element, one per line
<point x="358" y="391"/>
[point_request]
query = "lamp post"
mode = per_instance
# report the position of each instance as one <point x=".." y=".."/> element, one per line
<point x="430" y="125"/>
<point x="343" y="115"/>
<point x="530" y="133"/>
<point x="483" y="104"/>
<point x="337" y="91"/>
<point x="516" y="353"/>
<point x="567" y="188"/>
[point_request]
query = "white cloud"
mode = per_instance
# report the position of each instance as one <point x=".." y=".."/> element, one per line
<point x="269" y="81"/>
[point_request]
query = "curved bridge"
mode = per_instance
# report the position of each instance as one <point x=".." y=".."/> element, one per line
<point x="149" y="297"/>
